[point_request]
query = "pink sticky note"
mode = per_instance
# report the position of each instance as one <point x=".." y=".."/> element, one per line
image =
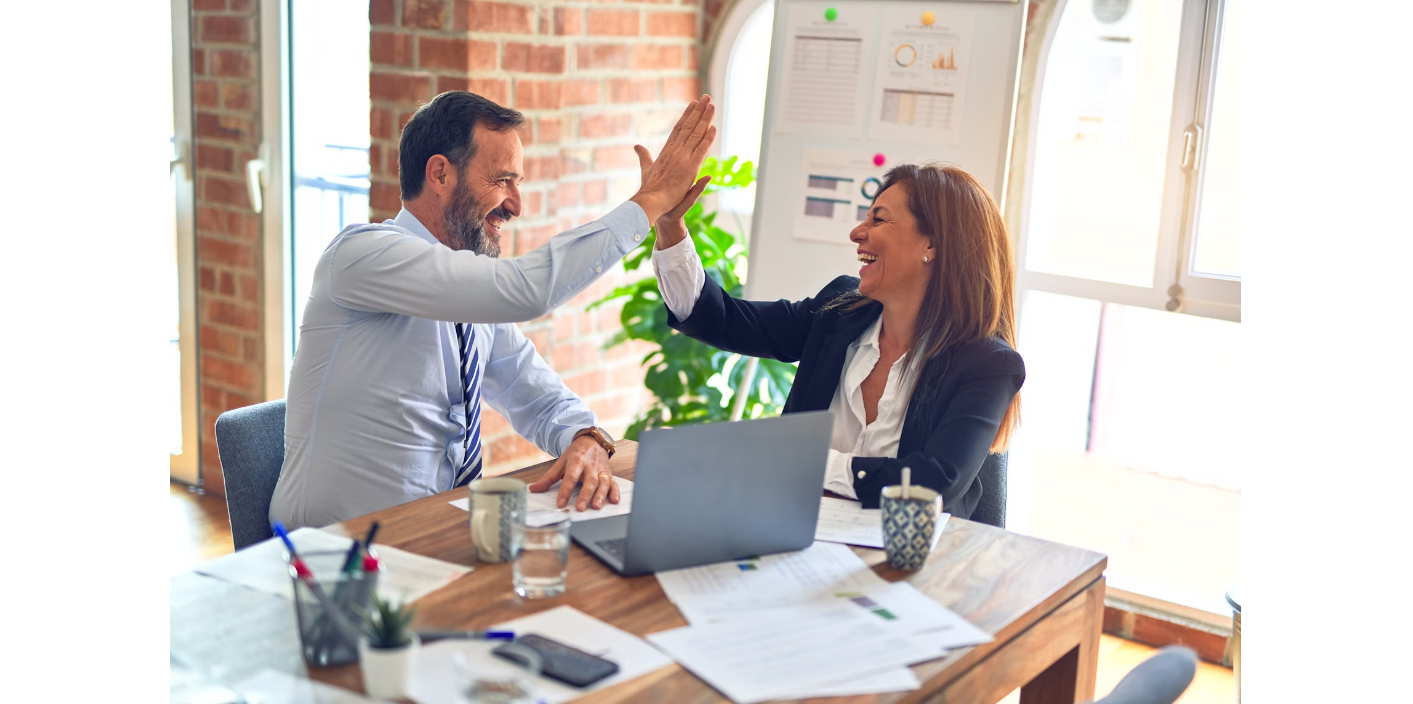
<point x="878" y="160"/>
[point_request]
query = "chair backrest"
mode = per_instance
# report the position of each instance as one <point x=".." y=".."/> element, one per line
<point x="1160" y="679"/>
<point x="991" y="510"/>
<point x="251" y="442"/>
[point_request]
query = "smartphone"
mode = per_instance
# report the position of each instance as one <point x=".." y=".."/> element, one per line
<point x="571" y="666"/>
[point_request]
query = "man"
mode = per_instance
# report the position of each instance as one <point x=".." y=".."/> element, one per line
<point x="410" y="323"/>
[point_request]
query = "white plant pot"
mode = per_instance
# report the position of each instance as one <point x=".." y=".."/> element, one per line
<point x="387" y="671"/>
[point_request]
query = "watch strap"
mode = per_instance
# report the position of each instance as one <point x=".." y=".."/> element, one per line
<point x="599" y="437"/>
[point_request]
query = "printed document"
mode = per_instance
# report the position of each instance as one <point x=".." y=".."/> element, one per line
<point x="404" y="576"/>
<point x="824" y="68"/>
<point x="921" y="74"/>
<point x="540" y="507"/>
<point x="820" y="569"/>
<point x="778" y="658"/>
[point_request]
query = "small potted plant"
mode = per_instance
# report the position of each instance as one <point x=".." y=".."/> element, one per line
<point x="388" y="650"/>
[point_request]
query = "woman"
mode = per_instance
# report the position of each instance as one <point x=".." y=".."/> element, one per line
<point x="916" y="356"/>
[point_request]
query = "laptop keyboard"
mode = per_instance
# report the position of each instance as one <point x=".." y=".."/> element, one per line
<point x="615" y="547"/>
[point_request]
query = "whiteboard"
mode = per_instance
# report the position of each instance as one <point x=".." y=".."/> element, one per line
<point x="821" y="123"/>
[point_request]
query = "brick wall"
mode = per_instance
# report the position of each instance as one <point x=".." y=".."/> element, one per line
<point x="593" y="78"/>
<point x="226" y="92"/>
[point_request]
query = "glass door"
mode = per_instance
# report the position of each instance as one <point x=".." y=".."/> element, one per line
<point x="182" y="439"/>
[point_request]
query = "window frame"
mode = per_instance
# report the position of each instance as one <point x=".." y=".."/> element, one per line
<point x="1175" y="287"/>
<point x="1210" y="295"/>
<point x="275" y="215"/>
<point x="185" y="467"/>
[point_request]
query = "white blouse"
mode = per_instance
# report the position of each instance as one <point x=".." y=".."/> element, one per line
<point x="680" y="278"/>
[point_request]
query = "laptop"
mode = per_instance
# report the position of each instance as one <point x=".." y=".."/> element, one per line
<point x="716" y="492"/>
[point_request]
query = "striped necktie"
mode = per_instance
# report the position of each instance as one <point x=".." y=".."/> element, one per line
<point x="471" y="390"/>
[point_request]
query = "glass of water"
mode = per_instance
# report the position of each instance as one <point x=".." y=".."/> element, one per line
<point x="542" y="554"/>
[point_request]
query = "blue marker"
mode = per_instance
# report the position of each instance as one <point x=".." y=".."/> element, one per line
<point x="432" y="636"/>
<point x="284" y="535"/>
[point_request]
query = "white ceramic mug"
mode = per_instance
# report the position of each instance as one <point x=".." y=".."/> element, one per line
<point x="497" y="504"/>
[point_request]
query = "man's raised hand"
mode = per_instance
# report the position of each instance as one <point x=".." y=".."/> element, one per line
<point x="667" y="179"/>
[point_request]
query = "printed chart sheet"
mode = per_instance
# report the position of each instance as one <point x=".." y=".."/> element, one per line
<point x="839" y="187"/>
<point x="920" y="83"/>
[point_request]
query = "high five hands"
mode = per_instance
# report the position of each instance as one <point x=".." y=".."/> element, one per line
<point x="668" y="180"/>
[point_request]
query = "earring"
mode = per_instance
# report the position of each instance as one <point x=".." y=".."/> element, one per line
<point x="924" y="259"/>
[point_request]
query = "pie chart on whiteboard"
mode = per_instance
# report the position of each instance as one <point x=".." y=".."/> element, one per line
<point x="905" y="55"/>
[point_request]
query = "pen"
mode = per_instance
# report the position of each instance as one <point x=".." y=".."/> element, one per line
<point x="348" y="561"/>
<point x="432" y="636"/>
<point x="368" y="539"/>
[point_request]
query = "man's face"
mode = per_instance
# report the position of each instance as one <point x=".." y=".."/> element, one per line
<point x="486" y="195"/>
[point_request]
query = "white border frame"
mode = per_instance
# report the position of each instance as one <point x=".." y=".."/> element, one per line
<point x="186" y="467"/>
<point x="275" y="221"/>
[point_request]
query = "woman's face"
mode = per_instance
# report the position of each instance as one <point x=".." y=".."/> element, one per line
<point x="891" y="250"/>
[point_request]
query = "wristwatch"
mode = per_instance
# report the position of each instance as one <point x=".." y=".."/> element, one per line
<point x="599" y="437"/>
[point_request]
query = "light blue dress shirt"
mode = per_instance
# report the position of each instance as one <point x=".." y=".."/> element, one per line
<point x="375" y="415"/>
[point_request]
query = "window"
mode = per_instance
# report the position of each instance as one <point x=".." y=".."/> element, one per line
<point x="1130" y="293"/>
<point x="738" y="77"/>
<point x="328" y="71"/>
<point x="315" y="155"/>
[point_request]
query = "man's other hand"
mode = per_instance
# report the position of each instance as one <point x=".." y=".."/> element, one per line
<point x="586" y="462"/>
<point x="667" y="180"/>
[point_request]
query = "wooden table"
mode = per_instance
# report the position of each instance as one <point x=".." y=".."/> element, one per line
<point x="1042" y="602"/>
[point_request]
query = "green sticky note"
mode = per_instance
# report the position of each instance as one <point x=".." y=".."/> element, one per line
<point x="831" y="14"/>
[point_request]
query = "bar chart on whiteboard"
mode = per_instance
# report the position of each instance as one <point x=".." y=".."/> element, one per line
<point x="921" y="75"/>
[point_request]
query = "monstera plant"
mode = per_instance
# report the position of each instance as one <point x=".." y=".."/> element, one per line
<point x="692" y="382"/>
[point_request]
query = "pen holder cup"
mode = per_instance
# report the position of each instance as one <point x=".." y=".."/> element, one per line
<point x="909" y="525"/>
<point x="330" y="608"/>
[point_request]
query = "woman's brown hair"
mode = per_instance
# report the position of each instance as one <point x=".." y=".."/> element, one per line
<point x="971" y="294"/>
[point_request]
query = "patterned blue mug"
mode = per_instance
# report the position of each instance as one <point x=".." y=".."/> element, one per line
<point x="909" y="525"/>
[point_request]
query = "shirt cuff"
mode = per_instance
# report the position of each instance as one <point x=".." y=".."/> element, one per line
<point x="837" y="477"/>
<point x="629" y="225"/>
<point x="680" y="277"/>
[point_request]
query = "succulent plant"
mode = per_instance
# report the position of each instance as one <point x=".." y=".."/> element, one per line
<point x="387" y="625"/>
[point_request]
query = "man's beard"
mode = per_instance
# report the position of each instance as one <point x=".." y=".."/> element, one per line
<point x="467" y="231"/>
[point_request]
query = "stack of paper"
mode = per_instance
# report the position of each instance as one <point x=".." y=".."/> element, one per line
<point x="813" y="623"/>
<point x="539" y="507"/>
<point x="403" y="576"/>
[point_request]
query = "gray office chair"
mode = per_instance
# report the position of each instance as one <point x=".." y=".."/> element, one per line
<point x="251" y="442"/>
<point x="1160" y="679"/>
<point x="991" y="510"/>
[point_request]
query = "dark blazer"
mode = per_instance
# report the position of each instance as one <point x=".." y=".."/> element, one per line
<point x="952" y="416"/>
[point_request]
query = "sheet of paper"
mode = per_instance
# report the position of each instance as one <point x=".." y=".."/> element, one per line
<point x="539" y="506"/>
<point x="899" y="679"/>
<point x="824" y="67"/>
<point x="837" y="190"/>
<point x="820" y="569"/>
<point x="920" y="81"/>
<point x="845" y="521"/>
<point x="898" y="604"/>
<point x="435" y="679"/>
<point x="780" y="658"/>
<point x="271" y="687"/>
<point x="405" y="576"/>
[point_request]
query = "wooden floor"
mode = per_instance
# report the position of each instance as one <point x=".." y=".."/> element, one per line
<point x="200" y="530"/>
